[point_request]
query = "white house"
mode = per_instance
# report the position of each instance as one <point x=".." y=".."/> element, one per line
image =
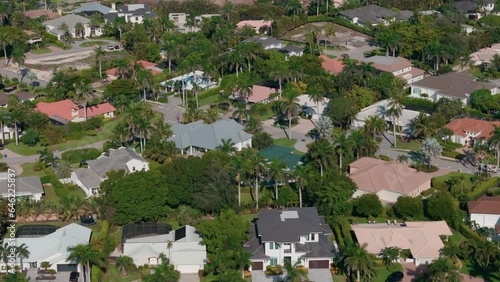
<point x="54" y="26"/>
<point x="132" y="13"/>
<point x="198" y="137"/>
<point x="294" y="235"/>
<point x="398" y="66"/>
<point x="186" y="253"/>
<point x="89" y="179"/>
<point x="267" y="42"/>
<point x="184" y="24"/>
<point x="29" y="187"/>
<point x="453" y="85"/>
<point x="52" y="248"/>
<point x="470" y="131"/>
<point x="475" y="9"/>
<point x="319" y="108"/>
<point x="485" y="212"/>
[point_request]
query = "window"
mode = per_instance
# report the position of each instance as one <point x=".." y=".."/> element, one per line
<point x="137" y="18"/>
<point x="416" y="91"/>
<point x="276" y="246"/>
<point x="271" y="246"/>
<point x="313" y="236"/>
<point x="299" y="260"/>
<point x="274" y="261"/>
<point x="133" y="168"/>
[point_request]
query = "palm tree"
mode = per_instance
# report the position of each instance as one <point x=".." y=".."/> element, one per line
<point x="294" y="273"/>
<point x="146" y="81"/>
<point x="84" y="92"/>
<point x="15" y="117"/>
<point x="320" y="152"/>
<point x="161" y="129"/>
<point x="18" y="56"/>
<point x="4" y="117"/>
<point x="122" y="67"/>
<point x="495" y="141"/>
<point x="99" y="53"/>
<point x="317" y="97"/>
<point x="443" y="269"/>
<point x="450" y="250"/>
<point x="255" y="167"/>
<point x="395" y="109"/>
<point x="374" y="126"/>
<point x="121" y="132"/>
<point x="434" y="51"/>
<point x="422" y="126"/>
<point x="227" y="146"/>
<point x="341" y="144"/>
<point x="485" y="251"/>
<point x="276" y="172"/>
<point x="5" y="251"/>
<point x="389" y="255"/>
<point x="300" y="175"/>
<point x="86" y="255"/>
<point x="357" y="258"/>
<point x="79" y="29"/>
<point x="238" y="165"/>
<point x="402" y="158"/>
<point x="241" y="112"/>
<point x="169" y="247"/>
<point x="123" y="263"/>
<point x="289" y="105"/>
<point x="22" y="253"/>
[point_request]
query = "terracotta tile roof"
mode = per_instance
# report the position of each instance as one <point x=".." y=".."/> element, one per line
<point x="145" y="64"/>
<point x="256" y="24"/>
<point x="483" y="127"/>
<point x="64" y="109"/>
<point x="389" y="64"/>
<point x="487" y="205"/>
<point x="332" y="66"/>
<point x="374" y="175"/>
<point x="260" y="93"/>
<point x="33" y="14"/>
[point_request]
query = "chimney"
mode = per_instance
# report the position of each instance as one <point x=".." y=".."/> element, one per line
<point x="113" y="6"/>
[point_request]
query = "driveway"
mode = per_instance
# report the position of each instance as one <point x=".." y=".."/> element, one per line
<point x="299" y="132"/>
<point x="189" y="278"/>
<point x="172" y="111"/>
<point x="356" y="53"/>
<point x="320" y="275"/>
<point x="260" y="276"/>
<point x="60" y="276"/>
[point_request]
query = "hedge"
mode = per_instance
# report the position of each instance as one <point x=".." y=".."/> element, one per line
<point x="482" y="187"/>
<point x="345" y="228"/>
<point x="468" y="233"/>
<point x="96" y="274"/>
<point x="440" y="185"/>
<point x="79" y="155"/>
<point x="418" y="104"/>
<point x="338" y="234"/>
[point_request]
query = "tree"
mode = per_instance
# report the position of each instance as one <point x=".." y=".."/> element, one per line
<point x="422" y="126"/>
<point x="409" y="208"/>
<point x="442" y="206"/>
<point x="165" y="272"/>
<point x="80" y="29"/>
<point x="84" y="92"/>
<point x="146" y="81"/>
<point x="278" y="68"/>
<point x="324" y="126"/>
<point x="5" y="251"/>
<point x="241" y="112"/>
<point x="374" y="126"/>
<point x="402" y="158"/>
<point x="357" y="259"/>
<point x="289" y="105"/>
<point x="294" y="273"/>
<point x="494" y="141"/>
<point x="123" y="263"/>
<point x="395" y="109"/>
<point x="485" y="251"/>
<point x="238" y="166"/>
<point x="321" y="153"/>
<point x="227" y="146"/>
<point x="276" y="173"/>
<point x="300" y="175"/>
<point x="18" y="56"/>
<point x="86" y="255"/>
<point x="390" y="255"/>
<point x="255" y="167"/>
<point x="443" y="269"/>
<point x="368" y="205"/>
<point x="430" y="149"/>
<point x="99" y="53"/>
<point x="4" y="118"/>
<point x="317" y="97"/>
<point x="341" y="144"/>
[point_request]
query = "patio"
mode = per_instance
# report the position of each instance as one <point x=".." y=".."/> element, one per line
<point x="60" y="276"/>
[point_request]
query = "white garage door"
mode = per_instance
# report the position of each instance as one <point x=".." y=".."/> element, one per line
<point x="189" y="268"/>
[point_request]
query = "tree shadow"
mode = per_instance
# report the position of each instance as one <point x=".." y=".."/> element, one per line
<point x="417" y="273"/>
<point x="469" y="158"/>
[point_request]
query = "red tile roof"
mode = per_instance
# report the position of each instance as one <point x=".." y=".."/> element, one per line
<point x="483" y="127"/>
<point x="145" y="64"/>
<point x="333" y="66"/>
<point x="64" y="109"/>
<point x="486" y="205"/>
<point x="33" y="14"/>
<point x="260" y="93"/>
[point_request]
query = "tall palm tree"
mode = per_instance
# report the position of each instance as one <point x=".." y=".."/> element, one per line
<point x="357" y="259"/>
<point x="255" y="167"/>
<point x="300" y="175"/>
<point x="84" y="93"/>
<point x="294" y="273"/>
<point x="123" y="263"/>
<point x="86" y="255"/>
<point x="121" y="132"/>
<point x="227" y="146"/>
<point x="276" y="172"/>
<point x="341" y="144"/>
<point x="161" y="129"/>
<point x="422" y="126"/>
<point x="443" y="269"/>
<point x="495" y="141"/>
<point x="15" y="117"/>
<point x="22" y="253"/>
<point x="238" y="165"/>
<point x="395" y="109"/>
<point x="18" y="56"/>
<point x="79" y="29"/>
<point x="4" y="118"/>
<point x="374" y="126"/>
<point x="320" y="152"/>
<point x="289" y="105"/>
<point x="485" y="251"/>
<point x="317" y="97"/>
<point x="5" y="251"/>
<point x="241" y="112"/>
<point x="99" y="53"/>
<point x="146" y="81"/>
<point x="434" y="51"/>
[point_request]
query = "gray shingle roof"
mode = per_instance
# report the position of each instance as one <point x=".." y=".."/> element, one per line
<point x="464" y="6"/>
<point x="207" y="136"/>
<point x="94" y="7"/>
<point x="24" y="185"/>
<point x="321" y="249"/>
<point x="70" y="20"/>
<point x="404" y="15"/>
<point x="88" y="177"/>
<point x="116" y="160"/>
<point x="253" y="246"/>
<point x="263" y="40"/>
<point x="369" y="13"/>
<point x="283" y="226"/>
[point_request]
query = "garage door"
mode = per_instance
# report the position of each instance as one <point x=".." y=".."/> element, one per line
<point x="189" y="268"/>
<point x="319" y="264"/>
<point x="67" y="267"/>
<point x="258" y="265"/>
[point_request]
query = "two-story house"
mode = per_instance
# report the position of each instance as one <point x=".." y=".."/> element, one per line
<point x="294" y="235"/>
<point x="133" y="13"/>
<point x="475" y="9"/>
<point x="89" y="179"/>
<point x="453" y="85"/>
<point x="398" y="66"/>
<point x="55" y="27"/>
<point x="470" y="131"/>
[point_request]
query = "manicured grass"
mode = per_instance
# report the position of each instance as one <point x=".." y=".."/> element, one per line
<point x="113" y="275"/>
<point x="93" y="43"/>
<point x="41" y="51"/>
<point x="467" y="185"/>
<point x="383" y="272"/>
<point x="331" y="56"/>
<point x="411" y="145"/>
<point x="266" y="116"/>
<point x="250" y="217"/>
<point x="285" y="142"/>
<point x="28" y="170"/>
<point x="208" y="101"/>
<point x="50" y="193"/>
<point x="106" y="132"/>
<point x="211" y="277"/>
<point x="457" y="237"/>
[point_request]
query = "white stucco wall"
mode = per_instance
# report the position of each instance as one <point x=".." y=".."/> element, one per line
<point x="388" y="196"/>
<point x="75" y="180"/>
<point x="485" y="220"/>
<point x="137" y="165"/>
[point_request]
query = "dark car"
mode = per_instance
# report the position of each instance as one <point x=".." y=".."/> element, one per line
<point x="73" y="277"/>
<point x="35" y="83"/>
<point x="395" y="277"/>
<point x="1" y="146"/>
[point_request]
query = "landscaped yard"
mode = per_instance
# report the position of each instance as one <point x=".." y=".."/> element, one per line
<point x="209" y="100"/>
<point x="411" y="145"/>
<point x="441" y="180"/>
<point x="28" y="170"/>
<point x="285" y="142"/>
<point x="212" y="277"/>
<point x="93" y="43"/>
<point x="382" y="272"/>
<point x="113" y="275"/>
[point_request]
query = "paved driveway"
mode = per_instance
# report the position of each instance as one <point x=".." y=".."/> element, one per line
<point x="260" y="276"/>
<point x="356" y="53"/>
<point x="320" y="275"/>
<point x="170" y="111"/>
<point x="189" y="278"/>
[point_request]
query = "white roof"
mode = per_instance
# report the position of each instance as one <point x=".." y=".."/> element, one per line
<point x="380" y="108"/>
<point x="305" y="101"/>
<point x="54" y="247"/>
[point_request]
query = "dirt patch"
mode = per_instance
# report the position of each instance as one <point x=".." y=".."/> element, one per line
<point x="342" y="36"/>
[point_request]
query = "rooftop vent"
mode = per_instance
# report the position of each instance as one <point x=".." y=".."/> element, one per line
<point x="289" y="215"/>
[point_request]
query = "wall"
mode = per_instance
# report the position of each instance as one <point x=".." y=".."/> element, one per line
<point x="485" y="220"/>
<point x="137" y="165"/>
<point x="388" y="196"/>
<point x="280" y="254"/>
<point x="75" y="180"/>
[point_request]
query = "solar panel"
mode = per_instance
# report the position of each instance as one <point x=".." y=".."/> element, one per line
<point x="144" y="229"/>
<point x="180" y="233"/>
<point x="33" y="231"/>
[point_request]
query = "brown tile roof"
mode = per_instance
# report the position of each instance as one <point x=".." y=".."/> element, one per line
<point x="33" y="14"/>
<point x="260" y="93"/>
<point x="453" y="84"/>
<point x="487" y="205"/>
<point x="373" y="175"/>
<point x="389" y="64"/>
<point x="483" y="127"/>
<point x="25" y="95"/>
<point x="332" y="66"/>
<point x="414" y="72"/>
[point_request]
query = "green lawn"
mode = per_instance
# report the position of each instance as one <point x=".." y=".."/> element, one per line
<point x="211" y="277"/>
<point x="331" y="56"/>
<point x="266" y="116"/>
<point x="106" y="132"/>
<point x="412" y="145"/>
<point x="28" y="170"/>
<point x="50" y="193"/>
<point x="209" y="100"/>
<point x="467" y="185"/>
<point x="457" y="237"/>
<point x="41" y="51"/>
<point x="113" y="275"/>
<point x="93" y="43"/>
<point x="285" y="142"/>
<point x="382" y="272"/>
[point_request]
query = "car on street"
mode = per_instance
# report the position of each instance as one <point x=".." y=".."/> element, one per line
<point x="113" y="47"/>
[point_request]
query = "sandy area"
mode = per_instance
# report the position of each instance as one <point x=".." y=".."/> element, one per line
<point x="57" y="59"/>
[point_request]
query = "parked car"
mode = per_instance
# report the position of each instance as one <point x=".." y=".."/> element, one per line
<point x="35" y="83"/>
<point x="113" y="47"/>
<point x="395" y="277"/>
<point x="73" y="277"/>
<point x="10" y="88"/>
<point x="1" y="146"/>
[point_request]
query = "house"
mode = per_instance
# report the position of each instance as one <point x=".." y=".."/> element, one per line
<point x="35" y="14"/>
<point x="188" y="81"/>
<point x="260" y="26"/>
<point x="186" y="253"/>
<point x="379" y="109"/>
<point x="65" y="111"/>
<point x="54" y="27"/>
<point x="291" y="50"/>
<point x="398" y="66"/>
<point x="470" y="131"/>
<point x="9" y="131"/>
<point x="484" y="56"/>
<point x="133" y="13"/>
<point x="197" y="137"/>
<point x="89" y="179"/>
<point x="333" y="66"/>
<point x="294" y="235"/>
<point x="388" y="180"/>
<point x="33" y="37"/>
<point x="52" y="247"/>
<point x="485" y="212"/>
<point x="369" y="15"/>
<point x="453" y="85"/>
<point x="91" y="9"/>
<point x="267" y="42"/>
<point x="421" y="238"/>
<point x="21" y="95"/>
<point x="262" y="94"/>
<point x="30" y="187"/>
<point x="475" y="9"/>
<point x="318" y="109"/>
<point x="152" y="67"/>
<point x="186" y="24"/>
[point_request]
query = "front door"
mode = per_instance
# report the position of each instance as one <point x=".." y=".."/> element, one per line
<point x="287" y="260"/>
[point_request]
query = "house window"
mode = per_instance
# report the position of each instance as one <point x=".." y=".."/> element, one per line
<point x="274" y="261"/>
<point x="137" y="18"/>
<point x="271" y="246"/>
<point x="276" y="246"/>
<point x="133" y="168"/>
<point x="313" y="236"/>
<point x="299" y="260"/>
<point x="416" y="91"/>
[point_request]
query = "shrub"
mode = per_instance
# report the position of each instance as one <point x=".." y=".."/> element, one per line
<point x="482" y="188"/>
<point x="418" y="104"/>
<point x="428" y="192"/>
<point x="425" y="168"/>
<point x="345" y="229"/>
<point x="96" y="274"/>
<point x="336" y="231"/>
<point x="30" y="137"/>
<point x="77" y="156"/>
<point x="368" y="205"/>
<point x="454" y="155"/>
<point x="14" y="80"/>
<point x="45" y="179"/>
<point x="385" y="158"/>
<point x="3" y="167"/>
<point x="274" y="270"/>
